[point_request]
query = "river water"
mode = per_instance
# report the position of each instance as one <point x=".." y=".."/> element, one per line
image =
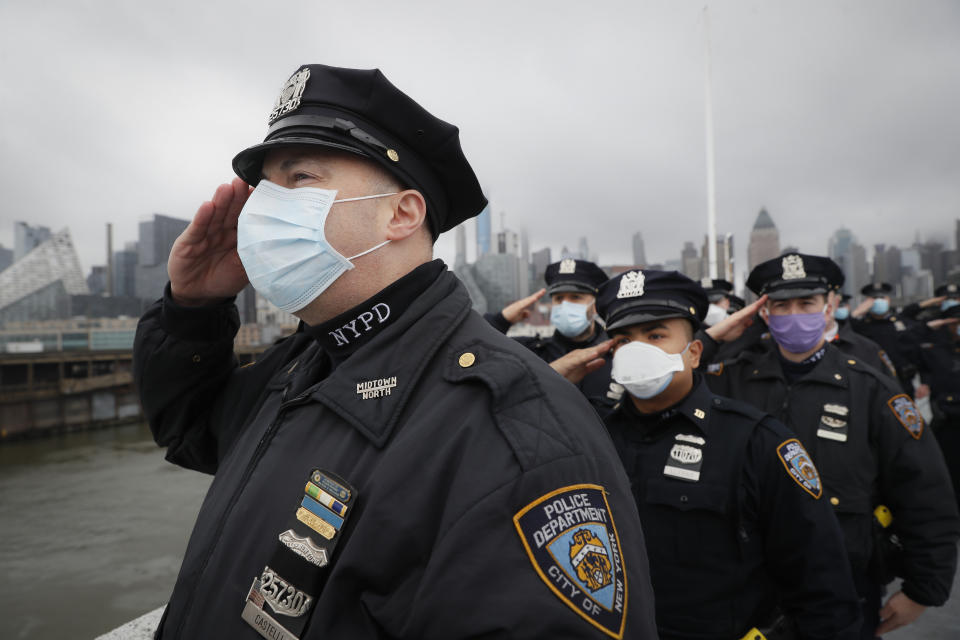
<point x="93" y="527"/>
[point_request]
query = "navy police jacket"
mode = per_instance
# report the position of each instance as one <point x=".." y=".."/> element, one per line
<point x="870" y="444"/>
<point x="735" y="525"/>
<point x="441" y="482"/>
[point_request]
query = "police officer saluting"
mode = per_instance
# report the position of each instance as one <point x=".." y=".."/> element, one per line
<point x="396" y="468"/>
<point x="572" y="286"/>
<point x="876" y="319"/>
<point x="867" y="438"/>
<point x="737" y="533"/>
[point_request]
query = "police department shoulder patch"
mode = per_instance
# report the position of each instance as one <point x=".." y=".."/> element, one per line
<point x="907" y="413"/>
<point x="798" y="464"/>
<point x="573" y="544"/>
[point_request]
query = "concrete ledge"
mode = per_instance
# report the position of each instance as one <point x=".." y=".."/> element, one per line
<point x="141" y="628"/>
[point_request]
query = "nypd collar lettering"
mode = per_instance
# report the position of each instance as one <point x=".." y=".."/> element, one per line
<point x="351" y="330"/>
<point x="570" y="537"/>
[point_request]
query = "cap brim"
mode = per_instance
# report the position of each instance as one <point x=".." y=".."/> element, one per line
<point x="796" y="292"/>
<point x="248" y="164"/>
<point x="650" y="315"/>
<point x="570" y="287"/>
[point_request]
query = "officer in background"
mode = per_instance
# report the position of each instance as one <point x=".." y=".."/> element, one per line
<point x="736" y="530"/>
<point x="866" y="437"/>
<point x="878" y="321"/>
<point x="940" y="371"/>
<point x="572" y="286"/>
<point x="718" y="294"/>
<point x="397" y="468"/>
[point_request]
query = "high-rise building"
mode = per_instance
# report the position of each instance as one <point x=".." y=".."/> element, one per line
<point x="39" y="286"/>
<point x="764" y="240"/>
<point x="97" y="280"/>
<point x="460" y="236"/>
<point x="540" y="261"/>
<point x="851" y="257"/>
<point x="692" y="265"/>
<point x="725" y="261"/>
<point x="639" y="255"/>
<point x="156" y="239"/>
<point x="483" y="232"/>
<point x="26" y="238"/>
<point x="6" y="257"/>
<point x="583" y="248"/>
<point x="886" y="264"/>
<point x="125" y="271"/>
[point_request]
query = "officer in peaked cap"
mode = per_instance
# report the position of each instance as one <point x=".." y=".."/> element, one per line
<point x="718" y="293"/>
<point x="897" y="334"/>
<point x="393" y="408"/>
<point x="572" y="286"/>
<point x="866" y="437"/>
<point x="718" y="571"/>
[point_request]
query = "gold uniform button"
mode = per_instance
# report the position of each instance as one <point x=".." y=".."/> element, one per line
<point x="393" y="155"/>
<point x="467" y="359"/>
<point x="196" y="358"/>
<point x="838" y="376"/>
<point x="851" y="362"/>
<point x="834" y="501"/>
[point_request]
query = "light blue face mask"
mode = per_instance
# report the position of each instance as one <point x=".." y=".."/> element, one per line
<point x="282" y="245"/>
<point x="880" y="306"/>
<point x="946" y="304"/>
<point x="570" y="318"/>
<point x="842" y="313"/>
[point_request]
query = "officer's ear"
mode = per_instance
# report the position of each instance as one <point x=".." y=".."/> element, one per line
<point x="694" y="351"/>
<point x="408" y="215"/>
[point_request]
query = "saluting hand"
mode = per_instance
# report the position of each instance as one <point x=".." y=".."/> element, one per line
<point x="520" y="310"/>
<point x="898" y="612"/>
<point x="734" y="325"/>
<point x="204" y="266"/>
<point x="575" y="365"/>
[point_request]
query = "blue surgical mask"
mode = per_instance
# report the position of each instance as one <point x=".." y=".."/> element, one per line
<point x="946" y="304"/>
<point x="842" y="313"/>
<point x="880" y="306"/>
<point x="282" y="245"/>
<point x="570" y="318"/>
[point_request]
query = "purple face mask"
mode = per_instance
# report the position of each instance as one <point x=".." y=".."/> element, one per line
<point x="798" y="332"/>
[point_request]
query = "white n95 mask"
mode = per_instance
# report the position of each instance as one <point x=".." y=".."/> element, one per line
<point x="282" y="245"/>
<point x="645" y="370"/>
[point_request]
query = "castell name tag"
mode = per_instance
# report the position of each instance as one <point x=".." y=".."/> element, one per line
<point x="685" y="458"/>
<point x="282" y="597"/>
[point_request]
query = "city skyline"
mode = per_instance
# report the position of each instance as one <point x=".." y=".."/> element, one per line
<point x="599" y="134"/>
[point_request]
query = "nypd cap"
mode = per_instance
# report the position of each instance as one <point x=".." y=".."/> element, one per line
<point x="716" y="288"/>
<point x="635" y="297"/>
<point x="736" y="303"/>
<point x="950" y="290"/>
<point x="877" y="290"/>
<point x="794" y="275"/>
<point x="571" y="275"/>
<point x="360" y="111"/>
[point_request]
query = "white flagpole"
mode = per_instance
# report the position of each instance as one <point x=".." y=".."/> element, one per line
<point x="711" y="177"/>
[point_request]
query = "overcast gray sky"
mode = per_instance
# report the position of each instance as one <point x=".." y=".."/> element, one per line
<point x="578" y="119"/>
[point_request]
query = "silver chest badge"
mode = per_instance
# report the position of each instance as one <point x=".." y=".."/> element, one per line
<point x="685" y="460"/>
<point x="793" y="267"/>
<point x="568" y="265"/>
<point x="290" y="94"/>
<point x="631" y="285"/>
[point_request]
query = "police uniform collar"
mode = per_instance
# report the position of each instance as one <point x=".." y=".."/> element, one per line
<point x="370" y="389"/>
<point x="831" y="365"/>
<point x="597" y="337"/>
<point x="696" y="407"/>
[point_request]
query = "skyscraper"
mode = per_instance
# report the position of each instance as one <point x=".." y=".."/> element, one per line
<point x="460" y="237"/>
<point x="39" y="286"/>
<point x="851" y="257"/>
<point x="156" y="240"/>
<point x="764" y="240"/>
<point x="639" y="255"/>
<point x="483" y="232"/>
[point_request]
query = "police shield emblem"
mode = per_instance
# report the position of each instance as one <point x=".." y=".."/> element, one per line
<point x="908" y="414"/>
<point x="573" y="545"/>
<point x="290" y="94"/>
<point x="568" y="265"/>
<point x="792" y="267"/>
<point x="798" y="464"/>
<point x="631" y="285"/>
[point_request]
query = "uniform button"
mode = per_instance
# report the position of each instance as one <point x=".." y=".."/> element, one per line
<point x="684" y="499"/>
<point x="834" y="501"/>
<point x="851" y="362"/>
<point x="716" y="401"/>
<point x="756" y="371"/>
<point x="467" y="359"/>
<point x="196" y="358"/>
<point x="838" y="376"/>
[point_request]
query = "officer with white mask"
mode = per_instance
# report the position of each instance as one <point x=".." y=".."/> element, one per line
<point x="739" y="540"/>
